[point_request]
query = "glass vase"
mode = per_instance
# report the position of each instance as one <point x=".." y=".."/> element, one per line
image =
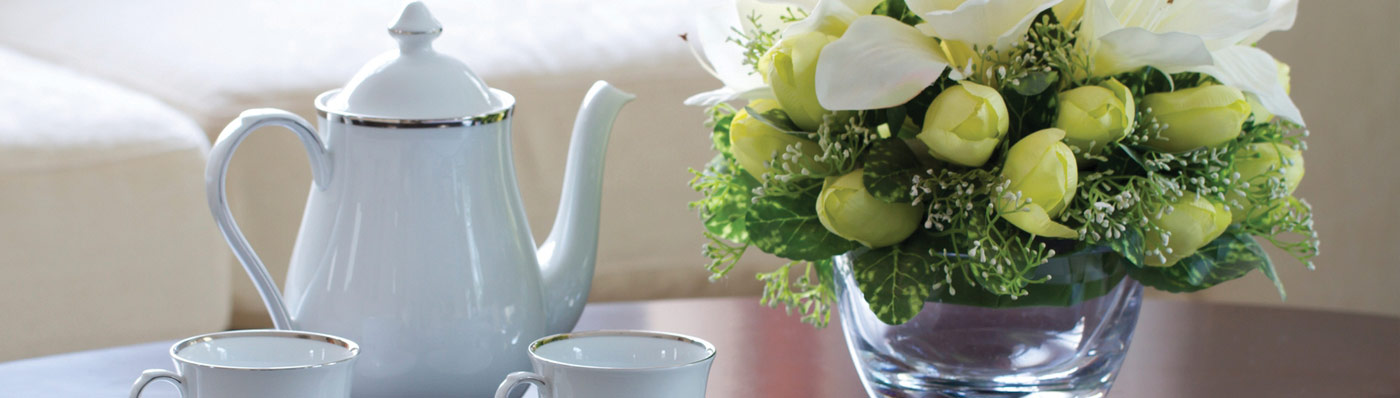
<point x="1067" y="342"/>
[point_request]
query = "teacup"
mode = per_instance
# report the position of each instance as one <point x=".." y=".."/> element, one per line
<point x="258" y="363"/>
<point x="616" y="364"/>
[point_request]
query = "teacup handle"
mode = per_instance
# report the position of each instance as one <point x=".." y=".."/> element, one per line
<point x="516" y="378"/>
<point x="151" y="375"/>
<point x="214" y="178"/>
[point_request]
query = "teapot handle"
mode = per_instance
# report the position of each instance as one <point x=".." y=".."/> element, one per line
<point x="215" y="176"/>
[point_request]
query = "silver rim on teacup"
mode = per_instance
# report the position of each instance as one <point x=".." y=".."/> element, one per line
<point x="709" y="348"/>
<point x="324" y="338"/>
<point x="497" y="115"/>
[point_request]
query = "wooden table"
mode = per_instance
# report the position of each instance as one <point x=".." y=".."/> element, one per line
<point x="1181" y="350"/>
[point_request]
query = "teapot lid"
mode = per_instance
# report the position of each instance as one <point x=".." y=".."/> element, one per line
<point x="414" y="82"/>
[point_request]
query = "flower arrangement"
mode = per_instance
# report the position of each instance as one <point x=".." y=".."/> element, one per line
<point x="953" y="147"/>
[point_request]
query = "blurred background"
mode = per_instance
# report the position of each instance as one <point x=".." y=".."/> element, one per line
<point x="107" y="110"/>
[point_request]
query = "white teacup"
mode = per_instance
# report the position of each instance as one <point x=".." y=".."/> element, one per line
<point x="258" y="363"/>
<point x="616" y="364"/>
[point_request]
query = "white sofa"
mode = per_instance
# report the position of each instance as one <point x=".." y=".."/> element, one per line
<point x="104" y="237"/>
<point x="212" y="59"/>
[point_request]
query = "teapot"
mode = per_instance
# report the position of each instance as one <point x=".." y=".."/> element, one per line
<point x="414" y="241"/>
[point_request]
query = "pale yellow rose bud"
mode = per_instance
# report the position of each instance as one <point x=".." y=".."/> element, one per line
<point x="847" y="210"/>
<point x="1258" y="164"/>
<point x="759" y="147"/>
<point x="1189" y="223"/>
<point x="965" y="123"/>
<point x="1284" y="77"/>
<point x="1094" y="117"/>
<point x="1197" y="117"/>
<point x="790" y="67"/>
<point x="1042" y="176"/>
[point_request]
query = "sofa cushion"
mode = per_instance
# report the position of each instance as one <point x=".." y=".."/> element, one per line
<point x="105" y="236"/>
<point x="56" y="118"/>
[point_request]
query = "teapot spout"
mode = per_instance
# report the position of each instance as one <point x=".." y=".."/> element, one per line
<point x="567" y="257"/>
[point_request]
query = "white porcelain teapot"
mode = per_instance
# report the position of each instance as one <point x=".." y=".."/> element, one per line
<point x="414" y="242"/>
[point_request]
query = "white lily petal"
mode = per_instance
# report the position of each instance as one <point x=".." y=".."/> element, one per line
<point x="1069" y="10"/>
<point x="715" y="25"/>
<point x="1282" y="13"/>
<point x="712" y="97"/>
<point x="1253" y="71"/>
<point x="879" y="63"/>
<point x="999" y="23"/>
<point x="1130" y="48"/>
<point x="926" y="6"/>
<point x="832" y="16"/>
<point x="725" y="94"/>
<point x="1098" y="20"/>
<point x="1220" y="23"/>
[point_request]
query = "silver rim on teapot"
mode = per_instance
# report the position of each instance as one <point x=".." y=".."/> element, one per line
<point x="493" y="116"/>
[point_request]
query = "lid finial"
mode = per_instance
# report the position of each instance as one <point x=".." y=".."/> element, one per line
<point x="414" y="81"/>
<point x="415" y="28"/>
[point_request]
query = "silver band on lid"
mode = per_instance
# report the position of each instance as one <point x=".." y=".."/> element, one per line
<point x="410" y="32"/>
<point x="498" y="115"/>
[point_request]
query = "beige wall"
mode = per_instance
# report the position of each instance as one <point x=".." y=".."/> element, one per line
<point x="1344" y="56"/>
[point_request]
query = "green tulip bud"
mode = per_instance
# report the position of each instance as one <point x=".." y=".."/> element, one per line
<point x="847" y="210"/>
<point x="1094" y="117"/>
<point x="1042" y="176"/>
<point x="759" y="148"/>
<point x="1263" y="166"/>
<point x="965" y="123"/>
<point x="790" y="67"/>
<point x="1188" y="224"/>
<point x="1197" y="117"/>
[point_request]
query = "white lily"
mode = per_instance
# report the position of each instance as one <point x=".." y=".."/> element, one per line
<point x="1253" y="70"/>
<point x="1124" y="35"/>
<point x="995" y="23"/>
<point x="724" y="59"/>
<point x="1214" y="37"/>
<point x="881" y="62"/>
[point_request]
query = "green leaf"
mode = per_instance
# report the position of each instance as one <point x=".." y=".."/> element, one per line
<point x="899" y="122"/>
<point x="725" y="206"/>
<point x="896" y="9"/>
<point x="894" y="120"/>
<point x="1034" y="82"/>
<point x="1268" y="268"/>
<point x="1129" y="246"/>
<point x="788" y="227"/>
<point x="889" y="170"/>
<point x="895" y="279"/>
<point x="1132" y="154"/>
<point x="1228" y="257"/>
<point x="826" y="272"/>
<point x="775" y="118"/>
<point x="720" y="135"/>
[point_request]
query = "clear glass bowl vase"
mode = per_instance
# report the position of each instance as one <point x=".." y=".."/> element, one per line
<point x="1068" y="341"/>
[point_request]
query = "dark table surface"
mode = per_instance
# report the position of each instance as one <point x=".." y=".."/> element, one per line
<point x="1181" y="349"/>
